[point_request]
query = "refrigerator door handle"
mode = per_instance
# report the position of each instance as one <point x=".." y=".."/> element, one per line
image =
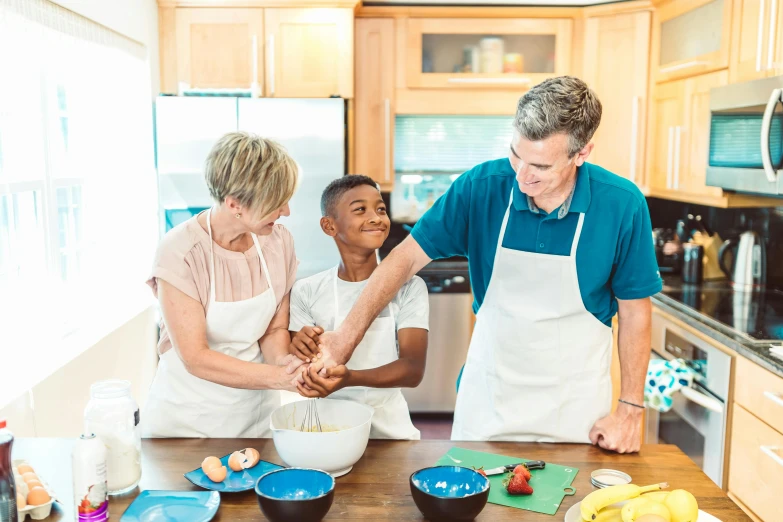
<point x="387" y="141"/>
<point x="271" y="61"/>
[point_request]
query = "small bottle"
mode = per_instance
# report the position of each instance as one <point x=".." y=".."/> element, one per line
<point x="90" y="490"/>
<point x="8" y="511"/>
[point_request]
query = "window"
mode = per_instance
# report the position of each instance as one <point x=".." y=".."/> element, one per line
<point x="78" y="192"/>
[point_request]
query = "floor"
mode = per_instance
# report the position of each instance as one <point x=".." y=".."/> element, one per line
<point x="433" y="426"/>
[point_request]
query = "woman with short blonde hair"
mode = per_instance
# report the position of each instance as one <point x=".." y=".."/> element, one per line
<point x="223" y="279"/>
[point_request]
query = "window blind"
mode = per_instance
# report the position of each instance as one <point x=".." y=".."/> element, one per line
<point x="449" y="144"/>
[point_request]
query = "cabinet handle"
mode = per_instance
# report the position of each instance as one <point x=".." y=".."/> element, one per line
<point x="254" y="90"/>
<point x="677" y="140"/>
<point x="271" y="53"/>
<point x="669" y="158"/>
<point x="774" y="397"/>
<point x="766" y="125"/>
<point x="759" y="34"/>
<point x="634" y="136"/>
<point x="490" y="80"/>
<point x="770" y="451"/>
<point x="387" y="140"/>
<point x="686" y="65"/>
<point x="772" y="24"/>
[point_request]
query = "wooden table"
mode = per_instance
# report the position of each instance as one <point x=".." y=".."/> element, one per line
<point x="377" y="489"/>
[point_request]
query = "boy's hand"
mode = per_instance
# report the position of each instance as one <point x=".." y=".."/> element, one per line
<point x="304" y="343"/>
<point x="315" y="385"/>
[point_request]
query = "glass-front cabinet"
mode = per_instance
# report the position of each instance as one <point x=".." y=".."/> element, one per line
<point x="486" y="53"/>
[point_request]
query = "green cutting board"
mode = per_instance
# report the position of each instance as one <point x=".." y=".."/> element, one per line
<point x="549" y="485"/>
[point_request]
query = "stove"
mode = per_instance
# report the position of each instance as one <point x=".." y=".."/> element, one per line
<point x="757" y="316"/>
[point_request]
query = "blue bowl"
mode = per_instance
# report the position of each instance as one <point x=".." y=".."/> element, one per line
<point x="449" y="492"/>
<point x="295" y="494"/>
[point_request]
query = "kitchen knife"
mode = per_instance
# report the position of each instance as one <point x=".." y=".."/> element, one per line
<point x="533" y="464"/>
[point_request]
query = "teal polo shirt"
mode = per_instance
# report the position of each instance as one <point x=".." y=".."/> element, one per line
<point x="615" y="257"/>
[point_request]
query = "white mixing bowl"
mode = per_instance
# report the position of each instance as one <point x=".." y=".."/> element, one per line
<point x="332" y="451"/>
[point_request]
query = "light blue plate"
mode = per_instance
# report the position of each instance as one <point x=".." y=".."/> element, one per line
<point x="236" y="481"/>
<point x="164" y="506"/>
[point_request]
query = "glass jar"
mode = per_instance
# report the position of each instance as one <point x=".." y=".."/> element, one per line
<point x="113" y="416"/>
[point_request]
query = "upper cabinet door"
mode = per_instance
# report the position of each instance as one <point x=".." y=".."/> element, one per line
<point x="486" y="53"/>
<point x="616" y="63"/>
<point x="665" y="142"/>
<point x="374" y="127"/>
<point x="309" y="53"/>
<point x="756" y="44"/>
<point x="775" y="40"/>
<point x="220" y="48"/>
<point x="691" y="37"/>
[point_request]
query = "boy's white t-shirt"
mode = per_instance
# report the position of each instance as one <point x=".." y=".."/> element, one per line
<point x="312" y="302"/>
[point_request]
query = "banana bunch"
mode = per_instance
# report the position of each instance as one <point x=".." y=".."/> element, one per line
<point x="645" y="504"/>
<point x="597" y="500"/>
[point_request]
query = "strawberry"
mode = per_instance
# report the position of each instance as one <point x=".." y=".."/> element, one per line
<point x="522" y="469"/>
<point x="481" y="470"/>
<point x="517" y="485"/>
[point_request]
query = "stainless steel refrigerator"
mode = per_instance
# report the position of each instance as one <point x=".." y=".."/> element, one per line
<point x="312" y="130"/>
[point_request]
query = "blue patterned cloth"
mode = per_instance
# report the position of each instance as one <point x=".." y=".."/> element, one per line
<point x="664" y="379"/>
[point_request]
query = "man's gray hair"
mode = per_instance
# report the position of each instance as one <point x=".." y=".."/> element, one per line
<point x="559" y="105"/>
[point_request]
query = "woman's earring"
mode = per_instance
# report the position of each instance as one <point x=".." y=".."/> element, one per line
<point x="238" y="215"/>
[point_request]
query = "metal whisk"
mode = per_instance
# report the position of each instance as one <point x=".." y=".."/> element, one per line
<point x="311" y="422"/>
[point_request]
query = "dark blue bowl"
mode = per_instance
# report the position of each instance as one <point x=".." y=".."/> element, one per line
<point x="295" y="494"/>
<point x="449" y="492"/>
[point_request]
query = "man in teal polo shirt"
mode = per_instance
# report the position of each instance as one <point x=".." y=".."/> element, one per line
<point x="556" y="247"/>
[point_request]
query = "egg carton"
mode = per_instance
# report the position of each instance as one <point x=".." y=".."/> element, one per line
<point x="35" y="512"/>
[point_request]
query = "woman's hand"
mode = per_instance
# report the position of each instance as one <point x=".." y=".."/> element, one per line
<point x="290" y="362"/>
<point x="316" y="385"/>
<point x="304" y="343"/>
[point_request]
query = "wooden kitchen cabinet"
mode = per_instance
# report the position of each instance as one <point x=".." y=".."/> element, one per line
<point x="214" y="48"/>
<point x="667" y="113"/>
<point x="756" y="42"/>
<point x="374" y="102"/>
<point x="756" y="465"/>
<point x="613" y="44"/>
<point x="690" y="37"/>
<point x="436" y="56"/>
<point x="309" y="52"/>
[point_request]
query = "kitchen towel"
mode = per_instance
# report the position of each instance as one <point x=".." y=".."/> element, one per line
<point x="664" y="379"/>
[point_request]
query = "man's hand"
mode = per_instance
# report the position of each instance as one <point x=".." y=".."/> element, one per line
<point x="335" y="348"/>
<point x="304" y="343"/>
<point x="620" y="431"/>
<point x="290" y="362"/>
<point x="316" y="385"/>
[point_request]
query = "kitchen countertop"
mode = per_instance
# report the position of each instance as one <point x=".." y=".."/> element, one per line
<point x="756" y="351"/>
<point x="377" y="489"/>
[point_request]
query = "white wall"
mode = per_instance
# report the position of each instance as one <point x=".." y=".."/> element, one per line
<point x="54" y="407"/>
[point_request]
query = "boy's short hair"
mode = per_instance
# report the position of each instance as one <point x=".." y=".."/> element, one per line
<point x="334" y="191"/>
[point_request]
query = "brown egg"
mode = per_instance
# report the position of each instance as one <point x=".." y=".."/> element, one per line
<point x="38" y="496"/>
<point x="237" y="461"/>
<point x="27" y="477"/>
<point x="25" y="468"/>
<point x="217" y="474"/>
<point x="252" y="457"/>
<point x="34" y="483"/>
<point x="210" y="463"/>
<point x="21" y="503"/>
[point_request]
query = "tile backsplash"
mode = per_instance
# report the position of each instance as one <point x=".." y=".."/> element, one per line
<point x="768" y="222"/>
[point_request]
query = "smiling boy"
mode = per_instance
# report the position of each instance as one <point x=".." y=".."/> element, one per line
<point x="393" y="352"/>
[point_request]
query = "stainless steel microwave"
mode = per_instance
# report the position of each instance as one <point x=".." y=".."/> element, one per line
<point x="746" y="137"/>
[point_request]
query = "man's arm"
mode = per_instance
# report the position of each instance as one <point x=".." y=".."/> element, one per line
<point x="402" y="263"/>
<point x="621" y="430"/>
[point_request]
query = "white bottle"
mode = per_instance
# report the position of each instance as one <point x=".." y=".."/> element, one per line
<point x="90" y="492"/>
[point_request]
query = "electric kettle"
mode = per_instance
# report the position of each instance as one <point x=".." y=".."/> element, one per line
<point x="749" y="269"/>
